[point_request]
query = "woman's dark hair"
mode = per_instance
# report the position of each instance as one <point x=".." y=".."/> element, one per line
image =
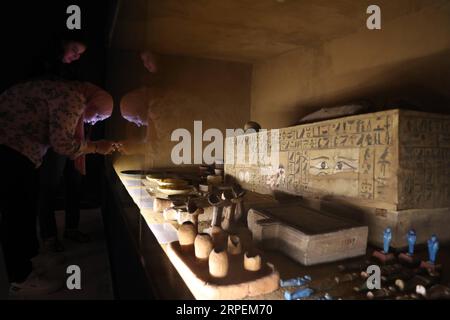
<point x="55" y="49"/>
<point x="48" y="64"/>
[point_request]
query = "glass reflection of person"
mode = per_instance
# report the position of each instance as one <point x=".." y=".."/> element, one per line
<point x="137" y="107"/>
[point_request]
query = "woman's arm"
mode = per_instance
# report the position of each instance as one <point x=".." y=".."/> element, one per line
<point x="63" y="120"/>
<point x="99" y="146"/>
<point x="146" y="146"/>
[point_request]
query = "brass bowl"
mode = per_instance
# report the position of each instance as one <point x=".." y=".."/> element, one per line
<point x="155" y="177"/>
<point x="172" y="182"/>
<point x="175" y="189"/>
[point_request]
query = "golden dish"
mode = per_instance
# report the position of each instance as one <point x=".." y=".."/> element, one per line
<point x="172" y="182"/>
<point x="155" y="177"/>
<point x="174" y="190"/>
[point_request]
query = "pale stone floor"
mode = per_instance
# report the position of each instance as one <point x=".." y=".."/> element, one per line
<point x="92" y="258"/>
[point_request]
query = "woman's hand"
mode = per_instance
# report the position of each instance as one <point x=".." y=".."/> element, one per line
<point x="130" y="147"/>
<point x="104" y="147"/>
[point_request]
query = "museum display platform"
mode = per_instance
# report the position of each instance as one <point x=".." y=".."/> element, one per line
<point x="384" y="169"/>
<point x="147" y="235"/>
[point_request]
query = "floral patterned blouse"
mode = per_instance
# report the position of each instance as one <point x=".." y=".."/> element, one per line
<point x="38" y="114"/>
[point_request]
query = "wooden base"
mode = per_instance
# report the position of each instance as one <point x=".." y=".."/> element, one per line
<point x="431" y="267"/>
<point x="424" y="221"/>
<point x="411" y="261"/>
<point x="383" y="257"/>
<point x="238" y="284"/>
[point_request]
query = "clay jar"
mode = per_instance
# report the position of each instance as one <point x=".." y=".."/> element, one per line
<point x="203" y="246"/>
<point x="214" y="180"/>
<point x="234" y="245"/>
<point x="203" y="170"/>
<point x="204" y="189"/>
<point x="170" y="214"/>
<point x="218" y="263"/>
<point x="219" y="237"/>
<point x="192" y="216"/>
<point x="219" y="164"/>
<point x="189" y="212"/>
<point x="187" y="233"/>
<point x="252" y="125"/>
<point x="252" y="262"/>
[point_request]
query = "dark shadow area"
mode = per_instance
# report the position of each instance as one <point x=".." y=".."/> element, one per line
<point x="29" y="28"/>
<point x="420" y="85"/>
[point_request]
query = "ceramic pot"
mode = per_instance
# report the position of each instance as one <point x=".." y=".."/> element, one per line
<point x="204" y="188"/>
<point x="228" y="215"/>
<point x="219" y="237"/>
<point x="218" y="263"/>
<point x="203" y="245"/>
<point x="252" y="125"/>
<point x="214" y="180"/>
<point x="252" y="262"/>
<point x="187" y="233"/>
<point x="185" y="216"/>
<point x="234" y="245"/>
<point x="170" y="214"/>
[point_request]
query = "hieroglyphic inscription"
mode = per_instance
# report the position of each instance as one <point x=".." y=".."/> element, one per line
<point x="425" y="182"/>
<point x="368" y="133"/>
<point x="385" y="181"/>
<point x="342" y="133"/>
<point x="423" y="131"/>
<point x="425" y="161"/>
<point x="396" y="157"/>
<point x="366" y="173"/>
<point x="297" y="172"/>
<point x="349" y="157"/>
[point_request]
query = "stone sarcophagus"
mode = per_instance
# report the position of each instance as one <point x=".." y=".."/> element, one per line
<point x="393" y="161"/>
<point x="307" y="235"/>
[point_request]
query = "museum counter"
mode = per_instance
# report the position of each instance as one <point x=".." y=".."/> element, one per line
<point x="138" y="238"/>
<point x="141" y="268"/>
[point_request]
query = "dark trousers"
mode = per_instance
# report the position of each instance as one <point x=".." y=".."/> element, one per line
<point x="53" y="169"/>
<point x="18" y="207"/>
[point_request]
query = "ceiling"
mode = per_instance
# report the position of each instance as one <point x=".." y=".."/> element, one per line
<point x="245" y="30"/>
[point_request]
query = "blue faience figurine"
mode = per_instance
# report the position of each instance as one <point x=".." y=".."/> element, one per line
<point x="411" y="241"/>
<point x="433" y="248"/>
<point x="387" y="237"/>
<point x="302" y="293"/>
<point x="295" y="282"/>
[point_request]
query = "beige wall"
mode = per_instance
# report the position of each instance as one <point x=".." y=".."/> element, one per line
<point x="408" y="59"/>
<point x="215" y="92"/>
